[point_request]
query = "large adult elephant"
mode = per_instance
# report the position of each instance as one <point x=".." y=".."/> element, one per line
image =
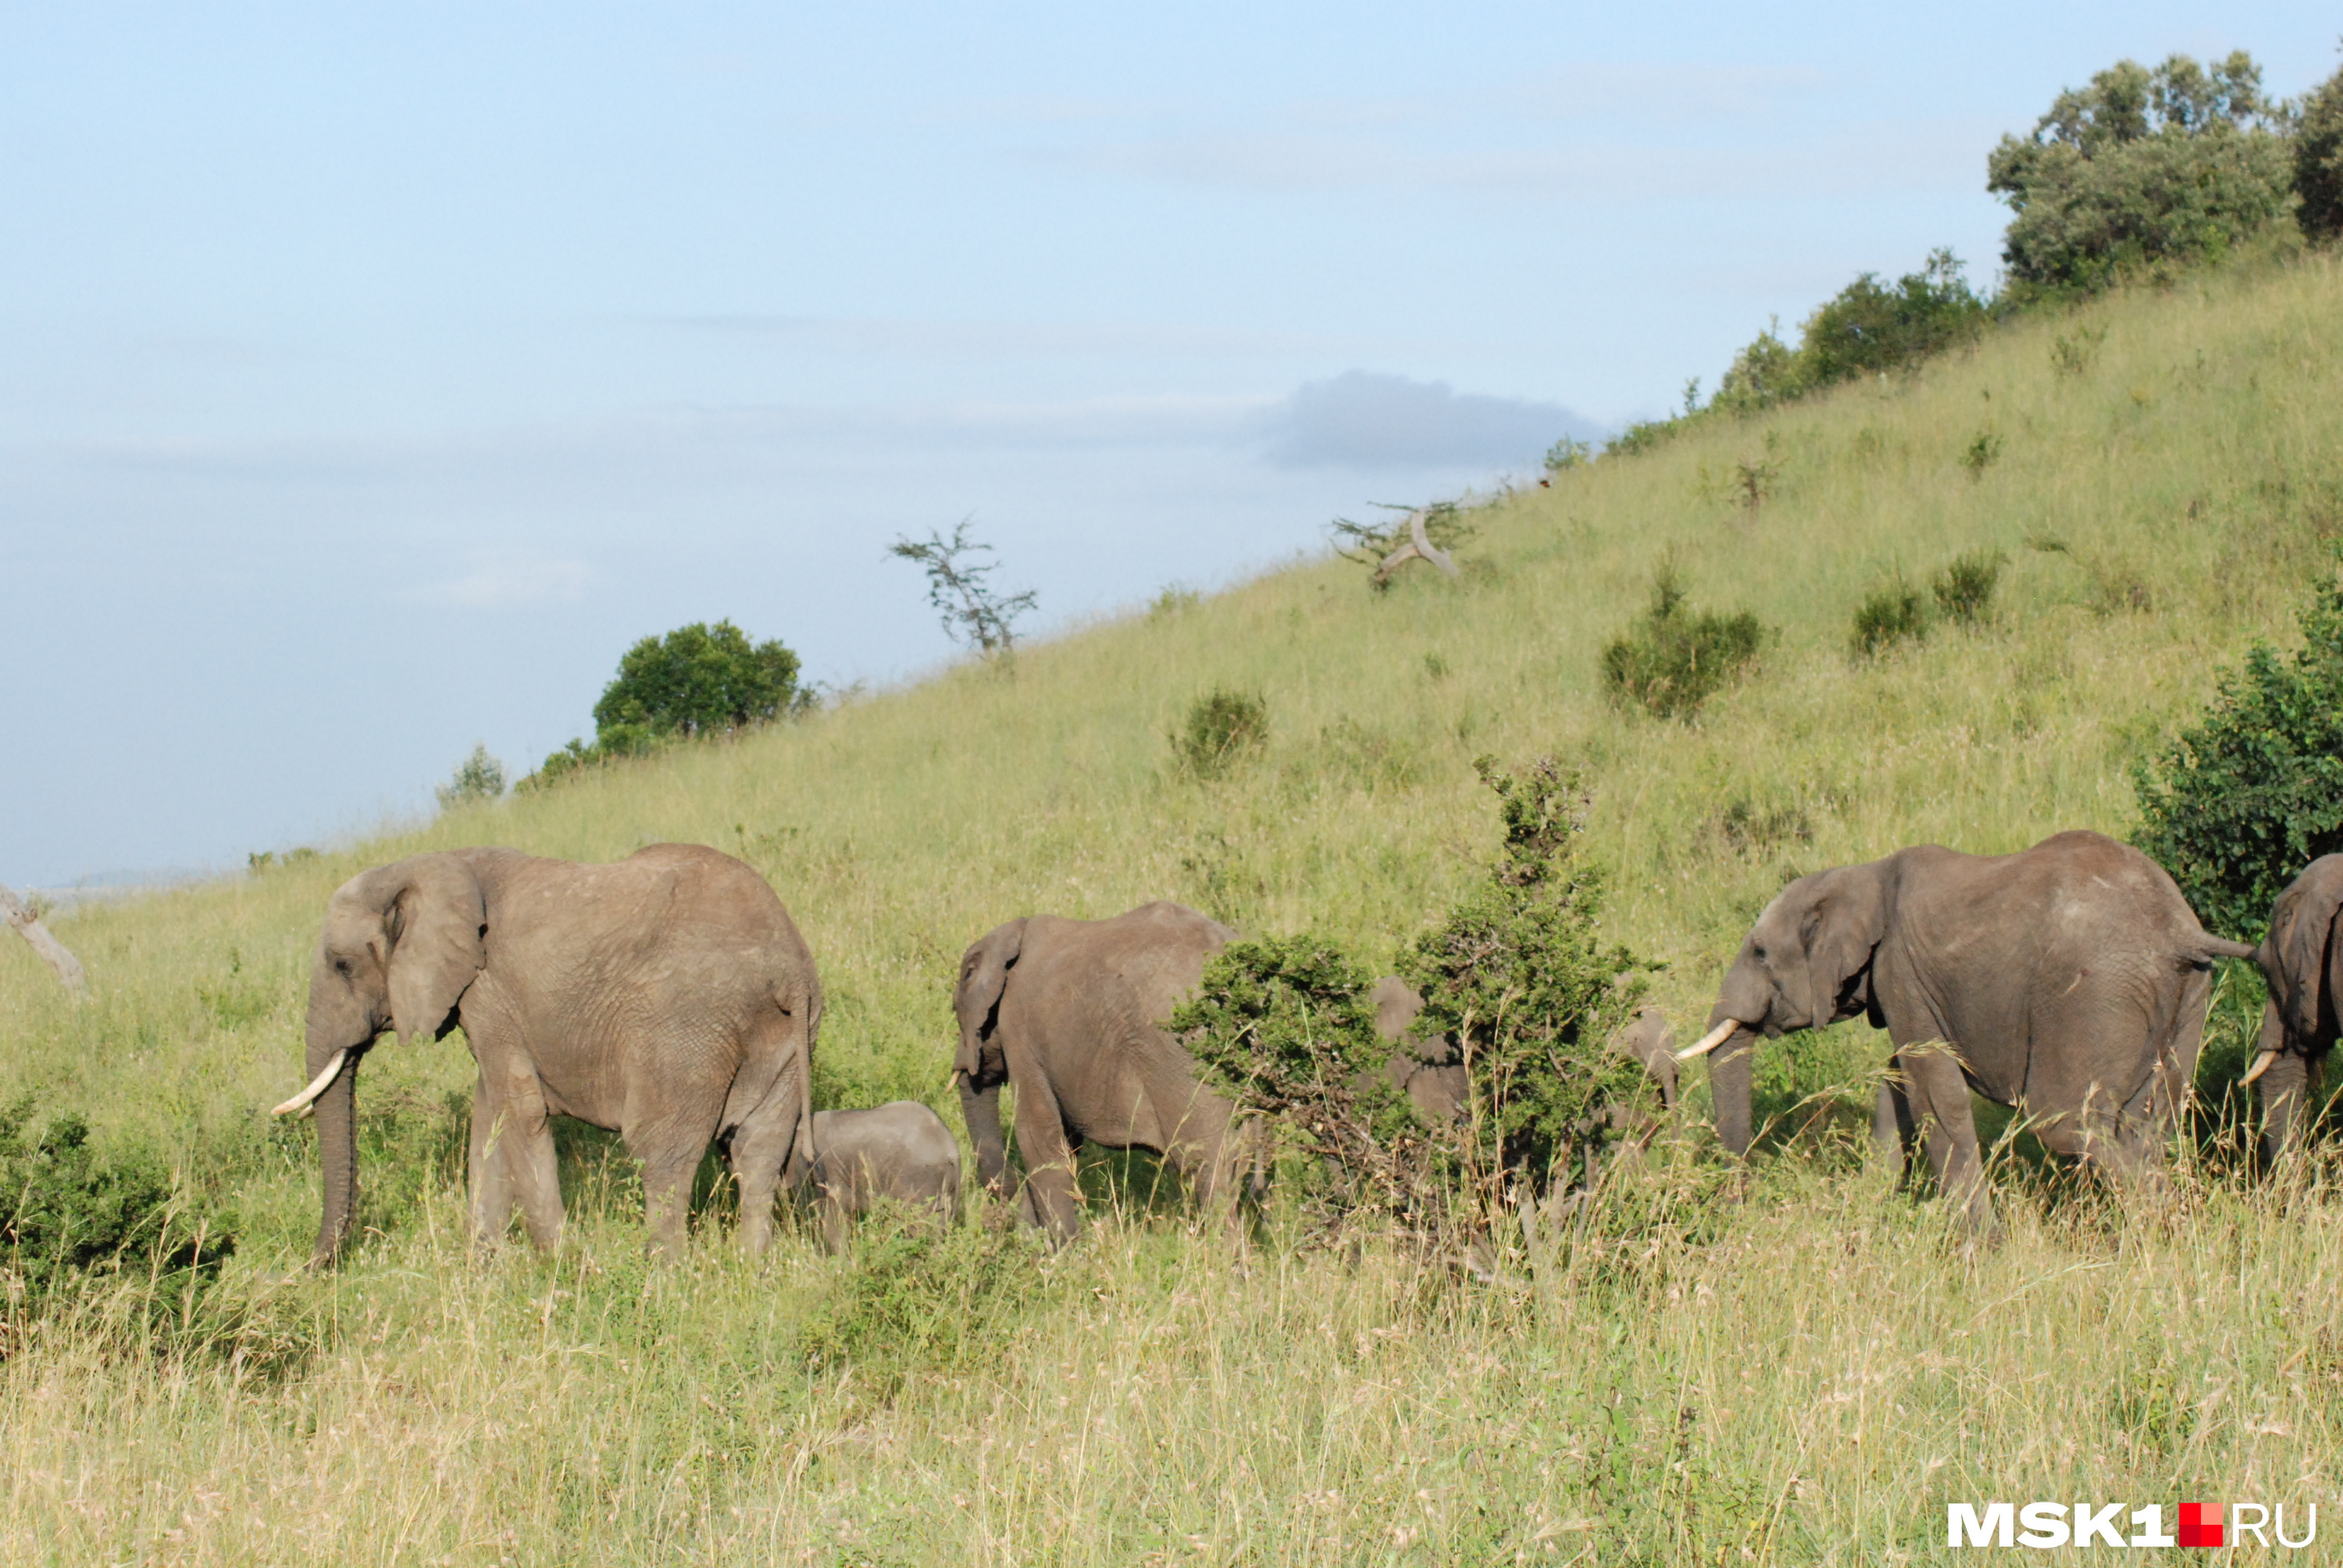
<point x="2304" y="965"/>
<point x="1071" y="1014"/>
<point x="2068" y="980"/>
<point x="667" y="996"/>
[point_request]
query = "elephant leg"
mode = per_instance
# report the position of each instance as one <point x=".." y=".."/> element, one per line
<point x="670" y="1153"/>
<point x="1938" y="1094"/>
<point x="2285" y="1088"/>
<point x="836" y="1222"/>
<point x="758" y="1150"/>
<point x="489" y="1213"/>
<point x="1050" y="1198"/>
<point x="1892" y="1133"/>
<point x="527" y="1148"/>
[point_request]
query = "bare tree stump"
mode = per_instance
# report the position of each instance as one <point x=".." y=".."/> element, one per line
<point x="52" y="952"/>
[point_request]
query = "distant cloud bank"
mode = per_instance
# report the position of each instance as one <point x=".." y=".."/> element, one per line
<point x="1360" y="419"/>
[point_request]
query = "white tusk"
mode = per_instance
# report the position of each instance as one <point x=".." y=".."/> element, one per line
<point x="1711" y="1040"/>
<point x="318" y="1086"/>
<point x="2261" y="1065"/>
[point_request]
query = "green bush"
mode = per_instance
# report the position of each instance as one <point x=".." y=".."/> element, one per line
<point x="1867" y="328"/>
<point x="2318" y="161"/>
<point x="1282" y="1026"/>
<point x="68" y="1210"/>
<point x="1223" y="727"/>
<point x="697" y="681"/>
<point x="1964" y="589"/>
<point x="1886" y="617"/>
<point x="1671" y="660"/>
<point x="2142" y="166"/>
<point x="1517" y="973"/>
<point x="2253" y="793"/>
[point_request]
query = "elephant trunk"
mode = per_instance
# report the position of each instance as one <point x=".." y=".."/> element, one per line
<point x="980" y="1108"/>
<point x="337" y="1154"/>
<point x="2282" y="1084"/>
<point x="1729" y="1072"/>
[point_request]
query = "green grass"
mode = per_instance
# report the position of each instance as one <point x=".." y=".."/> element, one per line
<point x="1806" y="1373"/>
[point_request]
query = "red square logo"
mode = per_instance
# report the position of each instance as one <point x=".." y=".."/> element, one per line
<point x="2200" y="1524"/>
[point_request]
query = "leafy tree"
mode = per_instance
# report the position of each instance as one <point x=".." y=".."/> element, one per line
<point x="2175" y="164"/>
<point x="974" y="613"/>
<point x="479" y="777"/>
<point x="698" y="681"/>
<point x="2318" y="161"/>
<point x="2253" y="793"/>
<point x="1866" y="328"/>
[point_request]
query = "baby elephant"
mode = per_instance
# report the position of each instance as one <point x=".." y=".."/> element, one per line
<point x="901" y="1150"/>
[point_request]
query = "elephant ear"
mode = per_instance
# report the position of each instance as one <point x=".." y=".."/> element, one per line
<point x="1840" y="932"/>
<point x="2301" y="940"/>
<point x="437" y="920"/>
<point x="983" y="976"/>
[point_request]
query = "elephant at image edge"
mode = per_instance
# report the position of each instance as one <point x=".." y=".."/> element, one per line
<point x="2070" y="979"/>
<point x="900" y="1150"/>
<point x="667" y="996"/>
<point x="2304" y="965"/>
<point x="1431" y="1072"/>
<point x="1070" y="1013"/>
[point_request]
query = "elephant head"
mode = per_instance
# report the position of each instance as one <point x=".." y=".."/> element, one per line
<point x="979" y="1067"/>
<point x="400" y="945"/>
<point x="2304" y="965"/>
<point x="1805" y="963"/>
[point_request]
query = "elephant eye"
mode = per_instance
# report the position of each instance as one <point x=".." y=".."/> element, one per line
<point x="1761" y="955"/>
<point x="342" y="966"/>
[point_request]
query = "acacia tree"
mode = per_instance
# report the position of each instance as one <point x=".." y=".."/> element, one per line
<point x="974" y="614"/>
<point x="2142" y="165"/>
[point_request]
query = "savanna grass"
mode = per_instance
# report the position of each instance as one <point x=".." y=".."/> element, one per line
<point x="1804" y="1367"/>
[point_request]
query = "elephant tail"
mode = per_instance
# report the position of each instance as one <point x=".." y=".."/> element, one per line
<point x="2205" y="946"/>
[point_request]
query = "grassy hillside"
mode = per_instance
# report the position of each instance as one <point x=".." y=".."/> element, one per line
<point x="2168" y="476"/>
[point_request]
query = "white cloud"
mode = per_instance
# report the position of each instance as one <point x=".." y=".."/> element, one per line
<point x="502" y="579"/>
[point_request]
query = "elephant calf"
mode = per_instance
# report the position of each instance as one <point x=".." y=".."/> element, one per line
<point x="2304" y="964"/>
<point x="900" y="1150"/>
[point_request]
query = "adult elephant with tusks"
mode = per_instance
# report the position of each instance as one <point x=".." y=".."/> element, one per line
<point x="2068" y="980"/>
<point x="667" y="996"/>
<point x="1070" y="1013"/>
<point x="2303" y="962"/>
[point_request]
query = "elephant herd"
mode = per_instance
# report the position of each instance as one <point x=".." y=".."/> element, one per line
<point x="669" y="997"/>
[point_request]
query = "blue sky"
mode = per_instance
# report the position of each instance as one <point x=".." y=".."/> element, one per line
<point x="371" y="375"/>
